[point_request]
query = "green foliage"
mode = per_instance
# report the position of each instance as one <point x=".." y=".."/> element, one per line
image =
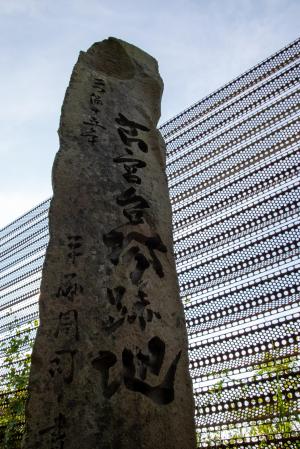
<point x="16" y="363"/>
<point x="281" y="409"/>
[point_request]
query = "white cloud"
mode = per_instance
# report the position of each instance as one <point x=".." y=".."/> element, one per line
<point x="18" y="203"/>
<point x="10" y="7"/>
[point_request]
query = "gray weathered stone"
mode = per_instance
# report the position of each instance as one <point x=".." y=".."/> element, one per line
<point x="109" y="365"/>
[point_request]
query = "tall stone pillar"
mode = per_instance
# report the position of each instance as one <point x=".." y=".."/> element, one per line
<point x="110" y="365"/>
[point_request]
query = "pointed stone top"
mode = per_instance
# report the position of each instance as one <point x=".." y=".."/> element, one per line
<point x="125" y="56"/>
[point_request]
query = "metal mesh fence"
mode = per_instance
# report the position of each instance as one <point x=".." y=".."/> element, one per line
<point x="233" y="173"/>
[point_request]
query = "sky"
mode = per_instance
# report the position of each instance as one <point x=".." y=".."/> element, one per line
<point x="199" y="44"/>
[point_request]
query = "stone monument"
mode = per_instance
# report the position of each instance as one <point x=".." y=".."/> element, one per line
<point x="109" y="364"/>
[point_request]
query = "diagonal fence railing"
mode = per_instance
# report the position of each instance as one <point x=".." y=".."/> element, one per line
<point x="233" y="173"/>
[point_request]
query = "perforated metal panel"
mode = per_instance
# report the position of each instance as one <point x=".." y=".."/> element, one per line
<point x="233" y="173"/>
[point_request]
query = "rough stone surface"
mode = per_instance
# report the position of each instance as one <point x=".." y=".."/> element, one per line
<point x="109" y="365"/>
